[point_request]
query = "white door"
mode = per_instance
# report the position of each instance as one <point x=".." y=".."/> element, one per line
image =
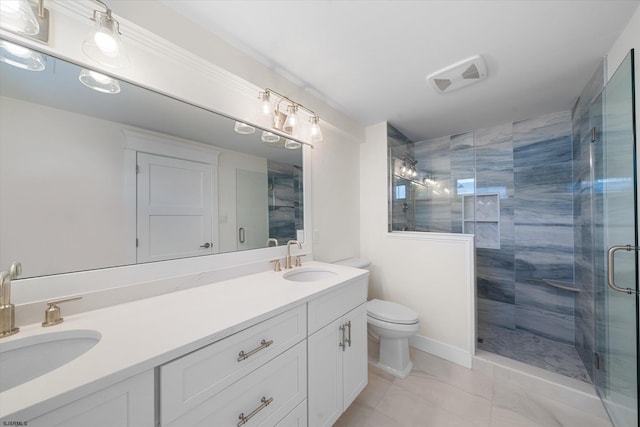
<point x="252" y="209"/>
<point x="174" y="208"/>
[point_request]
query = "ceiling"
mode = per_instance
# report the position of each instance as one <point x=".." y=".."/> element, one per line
<point x="369" y="59"/>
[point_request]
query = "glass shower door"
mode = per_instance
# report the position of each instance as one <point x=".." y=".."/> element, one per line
<point x="616" y="244"/>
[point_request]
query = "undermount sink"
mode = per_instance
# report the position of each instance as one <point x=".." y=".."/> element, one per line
<point x="309" y="274"/>
<point x="24" y="359"/>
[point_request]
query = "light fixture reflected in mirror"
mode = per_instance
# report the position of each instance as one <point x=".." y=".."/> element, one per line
<point x="21" y="57"/>
<point x="269" y="138"/>
<point x="292" y="145"/>
<point x="99" y="82"/>
<point x="103" y="43"/>
<point x="243" y="128"/>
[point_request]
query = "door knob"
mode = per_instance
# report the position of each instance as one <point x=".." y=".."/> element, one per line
<point x="206" y="245"/>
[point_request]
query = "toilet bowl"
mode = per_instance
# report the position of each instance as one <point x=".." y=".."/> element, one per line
<point x="392" y="325"/>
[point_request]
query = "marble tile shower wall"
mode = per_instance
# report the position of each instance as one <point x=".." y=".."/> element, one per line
<point x="529" y="165"/>
<point x="583" y="117"/>
<point x="543" y="218"/>
<point x="286" y="205"/>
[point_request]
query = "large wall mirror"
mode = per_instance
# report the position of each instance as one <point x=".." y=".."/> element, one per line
<point x="91" y="180"/>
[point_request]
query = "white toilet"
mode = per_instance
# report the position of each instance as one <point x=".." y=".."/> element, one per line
<point x="392" y="324"/>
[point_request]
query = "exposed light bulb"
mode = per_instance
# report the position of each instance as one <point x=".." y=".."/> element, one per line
<point x="106" y="43"/>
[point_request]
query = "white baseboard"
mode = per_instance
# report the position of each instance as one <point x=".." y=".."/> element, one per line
<point x="444" y="351"/>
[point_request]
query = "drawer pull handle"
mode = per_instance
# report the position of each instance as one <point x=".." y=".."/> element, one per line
<point x="348" y="339"/>
<point x="264" y="402"/>
<point x="263" y="344"/>
<point x="343" y="339"/>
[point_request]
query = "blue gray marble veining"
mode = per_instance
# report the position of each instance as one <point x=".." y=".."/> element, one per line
<point x="525" y="168"/>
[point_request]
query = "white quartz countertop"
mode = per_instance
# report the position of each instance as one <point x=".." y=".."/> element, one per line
<point x="143" y="334"/>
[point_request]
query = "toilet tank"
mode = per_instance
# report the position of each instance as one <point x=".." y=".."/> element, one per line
<point x="355" y="263"/>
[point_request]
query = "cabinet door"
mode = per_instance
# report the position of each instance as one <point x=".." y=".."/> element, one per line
<point x="129" y="403"/>
<point x="325" y="375"/>
<point x="354" y="368"/>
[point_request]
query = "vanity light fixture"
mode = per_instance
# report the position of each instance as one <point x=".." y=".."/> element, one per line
<point x="21" y="57"/>
<point x="99" y="82"/>
<point x="20" y="17"/>
<point x="280" y="113"/>
<point x="243" y="128"/>
<point x="103" y="43"/>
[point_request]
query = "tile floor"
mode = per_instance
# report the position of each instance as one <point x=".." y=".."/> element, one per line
<point x="534" y="350"/>
<point x="439" y="393"/>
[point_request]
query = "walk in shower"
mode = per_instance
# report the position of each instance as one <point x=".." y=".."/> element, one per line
<point x="544" y="198"/>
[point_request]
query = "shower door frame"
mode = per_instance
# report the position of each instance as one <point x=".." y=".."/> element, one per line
<point x="615" y="229"/>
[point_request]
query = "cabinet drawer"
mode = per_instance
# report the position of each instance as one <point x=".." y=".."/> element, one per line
<point x="329" y="307"/>
<point x="190" y="380"/>
<point x="262" y="397"/>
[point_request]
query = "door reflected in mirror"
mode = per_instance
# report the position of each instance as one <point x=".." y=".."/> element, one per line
<point x="91" y="180"/>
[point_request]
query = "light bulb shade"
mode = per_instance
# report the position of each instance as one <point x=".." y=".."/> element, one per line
<point x="21" y="57"/>
<point x="264" y="110"/>
<point x="99" y="82"/>
<point x="103" y="44"/>
<point x="292" y="145"/>
<point x="17" y="16"/>
<point x="292" y="119"/>
<point x="243" y="128"/>
<point x="315" y="132"/>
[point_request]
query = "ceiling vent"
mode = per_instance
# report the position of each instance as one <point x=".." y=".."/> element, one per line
<point x="458" y="75"/>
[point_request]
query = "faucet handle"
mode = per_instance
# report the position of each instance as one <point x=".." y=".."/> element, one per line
<point x="15" y="270"/>
<point x="52" y="313"/>
<point x="276" y="266"/>
<point x="299" y="260"/>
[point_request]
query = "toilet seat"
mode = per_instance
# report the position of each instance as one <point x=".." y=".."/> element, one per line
<point x="391" y="312"/>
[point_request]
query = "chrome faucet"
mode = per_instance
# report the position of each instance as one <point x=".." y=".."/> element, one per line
<point x="287" y="261"/>
<point x="8" y="310"/>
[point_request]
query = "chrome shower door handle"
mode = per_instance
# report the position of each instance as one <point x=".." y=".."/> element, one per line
<point x="611" y="267"/>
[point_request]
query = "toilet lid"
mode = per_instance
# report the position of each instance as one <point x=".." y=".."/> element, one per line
<point x="388" y="311"/>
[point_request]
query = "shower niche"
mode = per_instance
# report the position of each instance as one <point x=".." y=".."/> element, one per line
<point x="481" y="216"/>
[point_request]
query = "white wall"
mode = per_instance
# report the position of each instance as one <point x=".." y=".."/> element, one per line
<point x="431" y="273"/>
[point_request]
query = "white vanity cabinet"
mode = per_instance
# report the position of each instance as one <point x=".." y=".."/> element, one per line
<point x="337" y="347"/>
<point x="129" y="403"/>
<point x="258" y="376"/>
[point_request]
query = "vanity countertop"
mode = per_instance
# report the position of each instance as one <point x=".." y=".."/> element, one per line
<point x="143" y="334"/>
